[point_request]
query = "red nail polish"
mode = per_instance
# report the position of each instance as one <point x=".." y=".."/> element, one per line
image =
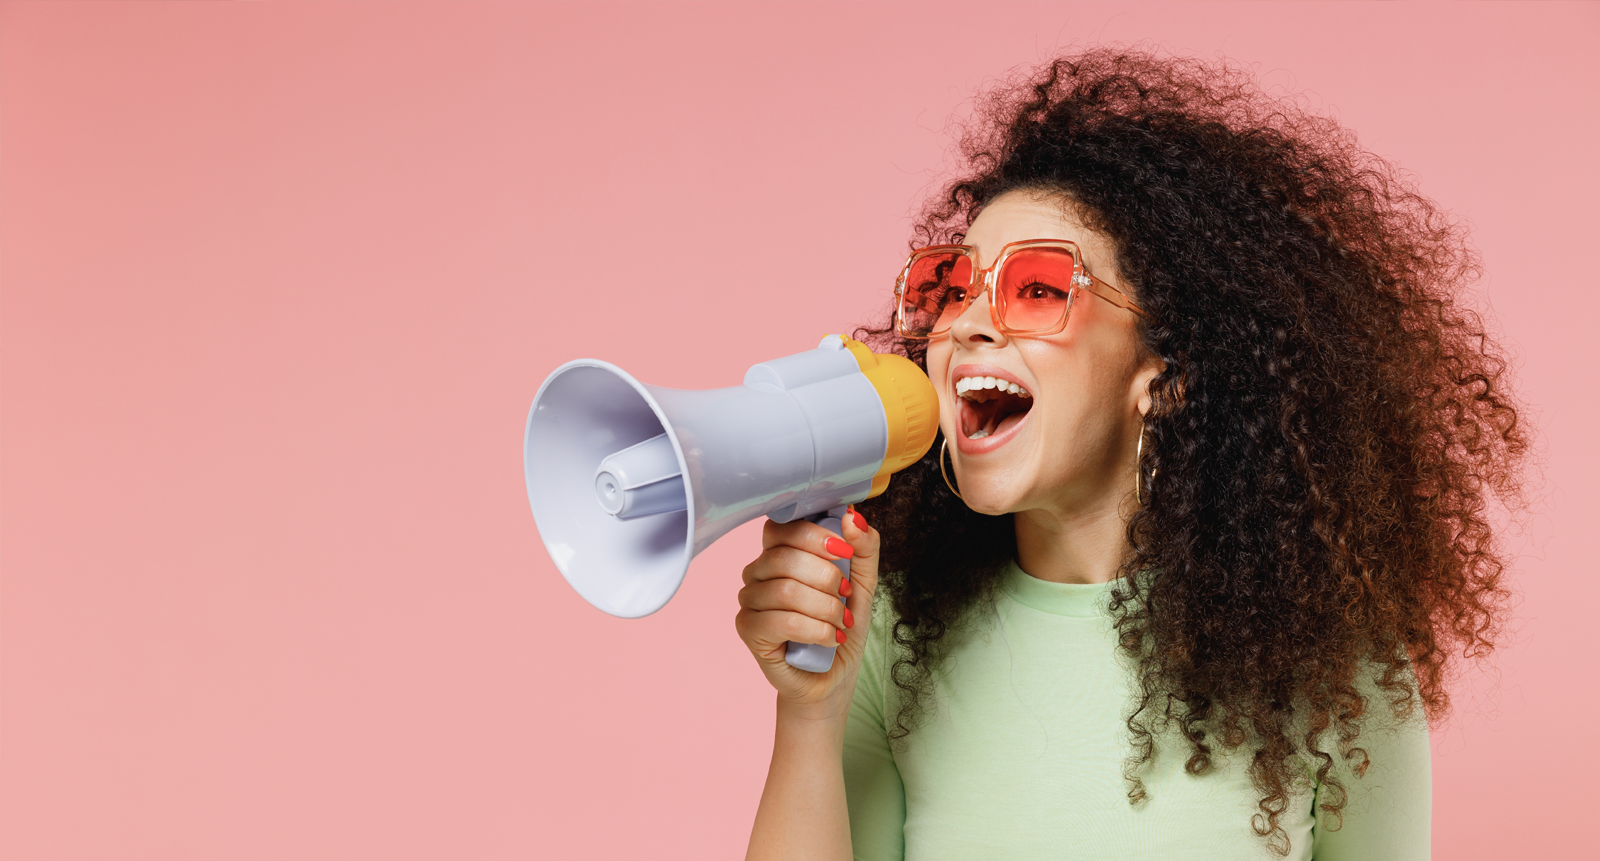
<point x="849" y="621"/>
<point x="861" y="522"/>
<point x="844" y="588"/>
<point x="838" y="547"/>
<point x="839" y="635"/>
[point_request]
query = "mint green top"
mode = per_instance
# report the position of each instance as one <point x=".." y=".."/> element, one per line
<point x="1021" y="753"/>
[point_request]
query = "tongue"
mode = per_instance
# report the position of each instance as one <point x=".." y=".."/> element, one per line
<point x="981" y="420"/>
<point x="1009" y="422"/>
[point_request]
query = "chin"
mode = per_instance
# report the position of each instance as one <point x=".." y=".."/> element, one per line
<point x="993" y="510"/>
<point x="991" y="494"/>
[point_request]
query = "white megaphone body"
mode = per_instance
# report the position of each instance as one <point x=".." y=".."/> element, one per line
<point x="629" y="482"/>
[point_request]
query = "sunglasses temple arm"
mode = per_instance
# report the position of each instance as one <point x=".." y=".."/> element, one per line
<point x="1117" y="297"/>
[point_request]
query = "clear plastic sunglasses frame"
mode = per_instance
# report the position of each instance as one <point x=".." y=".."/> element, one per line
<point x="985" y="281"/>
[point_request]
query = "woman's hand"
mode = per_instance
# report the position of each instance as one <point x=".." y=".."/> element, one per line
<point x="791" y="592"/>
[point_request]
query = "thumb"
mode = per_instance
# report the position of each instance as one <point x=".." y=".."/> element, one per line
<point x="864" y="540"/>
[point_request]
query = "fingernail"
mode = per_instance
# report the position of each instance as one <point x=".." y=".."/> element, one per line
<point x="844" y="587"/>
<point x="849" y="620"/>
<point x="838" y="635"/>
<point x="838" y="547"/>
<point x="861" y="522"/>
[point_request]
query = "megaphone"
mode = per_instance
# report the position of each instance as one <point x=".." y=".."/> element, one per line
<point x="629" y="482"/>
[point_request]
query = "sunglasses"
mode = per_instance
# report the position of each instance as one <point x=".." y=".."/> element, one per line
<point x="1031" y="287"/>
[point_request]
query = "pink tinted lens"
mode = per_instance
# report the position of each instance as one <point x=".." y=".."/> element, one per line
<point x="1035" y="289"/>
<point x="935" y="288"/>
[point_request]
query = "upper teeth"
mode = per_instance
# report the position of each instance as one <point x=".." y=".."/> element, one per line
<point x="972" y="384"/>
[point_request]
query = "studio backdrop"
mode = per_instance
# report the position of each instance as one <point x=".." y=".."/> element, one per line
<point x="278" y="283"/>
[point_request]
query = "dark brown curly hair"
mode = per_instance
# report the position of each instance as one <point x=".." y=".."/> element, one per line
<point x="1324" y="439"/>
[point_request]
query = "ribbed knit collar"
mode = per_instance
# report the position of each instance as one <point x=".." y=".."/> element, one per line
<point x="1084" y="600"/>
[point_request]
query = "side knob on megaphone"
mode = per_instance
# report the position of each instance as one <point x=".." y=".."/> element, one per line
<point x="629" y="482"/>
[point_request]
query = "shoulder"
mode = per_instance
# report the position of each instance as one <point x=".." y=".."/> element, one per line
<point x="1384" y="769"/>
<point x="1374" y="792"/>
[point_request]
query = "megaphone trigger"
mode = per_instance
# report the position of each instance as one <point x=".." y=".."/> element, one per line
<point x="629" y="482"/>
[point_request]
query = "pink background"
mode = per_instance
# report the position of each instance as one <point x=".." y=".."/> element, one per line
<point x="280" y="281"/>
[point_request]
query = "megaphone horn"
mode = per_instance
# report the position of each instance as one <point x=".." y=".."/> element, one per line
<point x="629" y="482"/>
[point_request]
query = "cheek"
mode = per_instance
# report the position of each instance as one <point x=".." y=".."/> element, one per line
<point x="1081" y="396"/>
<point x="939" y="362"/>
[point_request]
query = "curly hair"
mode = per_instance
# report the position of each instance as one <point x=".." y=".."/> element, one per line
<point x="1323" y="442"/>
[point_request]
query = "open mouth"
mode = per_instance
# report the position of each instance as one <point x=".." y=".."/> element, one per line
<point x="991" y="406"/>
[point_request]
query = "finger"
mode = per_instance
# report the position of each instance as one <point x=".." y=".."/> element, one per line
<point x="858" y="590"/>
<point x="807" y="536"/>
<point x="865" y="541"/>
<point x="789" y="596"/>
<point x="772" y="628"/>
<point x="784" y="561"/>
<point x="860" y="535"/>
<point x="819" y="599"/>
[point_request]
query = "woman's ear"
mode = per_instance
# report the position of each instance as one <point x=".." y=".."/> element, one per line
<point x="1172" y="391"/>
<point x="1151" y="369"/>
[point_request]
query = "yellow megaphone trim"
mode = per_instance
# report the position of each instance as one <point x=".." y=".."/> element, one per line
<point x="910" y="406"/>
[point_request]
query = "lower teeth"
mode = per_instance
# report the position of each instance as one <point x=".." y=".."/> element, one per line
<point x="979" y="435"/>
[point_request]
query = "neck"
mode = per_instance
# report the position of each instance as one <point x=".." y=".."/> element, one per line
<point x="1081" y="546"/>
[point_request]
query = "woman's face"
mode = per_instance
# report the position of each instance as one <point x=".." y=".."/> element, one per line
<point x="1072" y="450"/>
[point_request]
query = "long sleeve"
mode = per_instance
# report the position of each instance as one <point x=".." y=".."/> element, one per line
<point x="1388" y="814"/>
<point x="873" y="789"/>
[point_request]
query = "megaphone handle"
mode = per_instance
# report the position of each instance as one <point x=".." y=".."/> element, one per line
<point x="811" y="657"/>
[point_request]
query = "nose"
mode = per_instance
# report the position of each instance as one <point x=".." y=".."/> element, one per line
<point x="976" y="323"/>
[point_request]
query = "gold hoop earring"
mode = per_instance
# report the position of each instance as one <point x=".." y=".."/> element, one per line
<point x="1138" y="468"/>
<point x="942" y="447"/>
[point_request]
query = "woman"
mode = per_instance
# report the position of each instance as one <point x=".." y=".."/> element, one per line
<point x="1205" y="534"/>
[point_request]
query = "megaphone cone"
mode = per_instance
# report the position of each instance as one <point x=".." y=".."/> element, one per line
<point x="628" y="482"/>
